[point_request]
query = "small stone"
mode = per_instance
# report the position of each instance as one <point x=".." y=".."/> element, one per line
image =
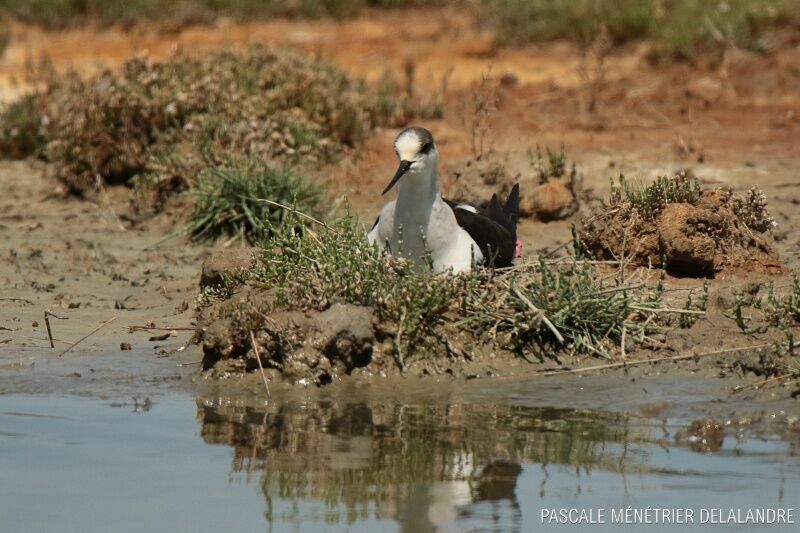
<point x="509" y="79"/>
<point x="125" y="346"/>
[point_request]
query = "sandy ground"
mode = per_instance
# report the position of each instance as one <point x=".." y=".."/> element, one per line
<point x="734" y="122"/>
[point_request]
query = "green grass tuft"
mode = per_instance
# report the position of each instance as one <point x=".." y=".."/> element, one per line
<point x="784" y="310"/>
<point x="588" y="312"/>
<point x="228" y="200"/>
<point x="649" y="200"/>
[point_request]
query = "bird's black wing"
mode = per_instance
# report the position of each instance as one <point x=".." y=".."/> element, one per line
<point x="495" y="242"/>
<point x="494" y="228"/>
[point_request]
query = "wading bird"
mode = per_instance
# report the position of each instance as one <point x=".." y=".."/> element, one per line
<point x="427" y="229"/>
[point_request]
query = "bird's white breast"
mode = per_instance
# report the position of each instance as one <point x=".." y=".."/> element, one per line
<point x="438" y="233"/>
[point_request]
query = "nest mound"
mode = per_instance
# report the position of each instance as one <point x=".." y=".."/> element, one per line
<point x="690" y="231"/>
<point x="315" y="306"/>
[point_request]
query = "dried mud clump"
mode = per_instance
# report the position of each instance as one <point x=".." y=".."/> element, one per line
<point x="159" y="124"/>
<point x="555" y="194"/>
<point x="676" y="224"/>
<point x="553" y="200"/>
<point x="313" y="347"/>
<point x="225" y="263"/>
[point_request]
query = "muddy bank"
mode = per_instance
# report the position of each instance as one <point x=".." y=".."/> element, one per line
<point x="86" y="263"/>
<point x="342" y="343"/>
<point x="160" y="286"/>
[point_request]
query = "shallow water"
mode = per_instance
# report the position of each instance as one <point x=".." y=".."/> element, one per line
<point x="353" y="463"/>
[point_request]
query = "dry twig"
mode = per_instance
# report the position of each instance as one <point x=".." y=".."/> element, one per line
<point x="541" y="315"/>
<point x="95" y="330"/>
<point x="763" y="382"/>
<point x="682" y="357"/>
<point x="146" y="328"/>
<point x="293" y="210"/>
<point x="260" y="366"/>
<point x="14" y="299"/>
<point x="47" y="315"/>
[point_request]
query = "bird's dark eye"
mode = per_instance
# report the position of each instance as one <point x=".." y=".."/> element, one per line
<point x="426" y="147"/>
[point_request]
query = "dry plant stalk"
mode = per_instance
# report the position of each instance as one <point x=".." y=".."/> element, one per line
<point x="47" y="315"/>
<point x="593" y="72"/>
<point x="95" y="330"/>
<point x="681" y="357"/>
<point x="260" y="366"/>
<point x="479" y="116"/>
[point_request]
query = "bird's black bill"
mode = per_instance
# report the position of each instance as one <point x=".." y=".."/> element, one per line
<point x="402" y="169"/>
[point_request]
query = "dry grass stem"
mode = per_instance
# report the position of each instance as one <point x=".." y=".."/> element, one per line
<point x="260" y="365"/>
<point x="95" y="330"/>
<point x="682" y="357"/>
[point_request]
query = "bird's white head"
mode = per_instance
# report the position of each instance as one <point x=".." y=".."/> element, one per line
<point x="417" y="154"/>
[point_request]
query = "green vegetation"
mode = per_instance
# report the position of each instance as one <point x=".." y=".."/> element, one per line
<point x="312" y="268"/>
<point x="751" y="210"/>
<point x="235" y="199"/>
<point x="783" y="310"/>
<point x="148" y="122"/>
<point x="649" y="200"/>
<point x="64" y="13"/>
<point x="679" y="27"/>
<point x="687" y="320"/>
<point x="778" y="311"/>
<point x="682" y="28"/>
<point x="551" y="164"/>
<point x="588" y="315"/>
<point x="784" y="313"/>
